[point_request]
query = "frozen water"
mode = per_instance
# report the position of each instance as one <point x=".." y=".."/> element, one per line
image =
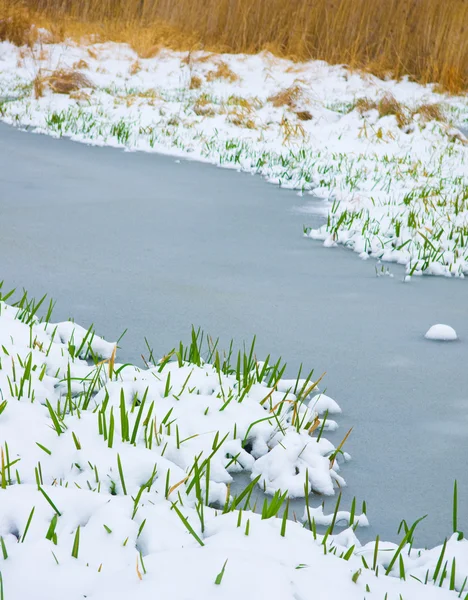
<point x="135" y="240"/>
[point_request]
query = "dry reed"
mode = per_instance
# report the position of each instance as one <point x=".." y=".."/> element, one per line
<point x="425" y="39"/>
<point x="61" y="81"/>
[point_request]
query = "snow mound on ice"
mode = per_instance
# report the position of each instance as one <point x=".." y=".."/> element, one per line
<point x="443" y="333"/>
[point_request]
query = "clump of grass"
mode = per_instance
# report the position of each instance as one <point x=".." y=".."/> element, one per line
<point x="195" y="82"/>
<point x="39" y="85"/>
<point x="135" y="67"/>
<point x="364" y="105"/>
<point x="204" y="111"/>
<point x="249" y="104"/>
<point x="80" y="64"/>
<point x="204" y="106"/>
<point x="430" y="112"/>
<point x="388" y="105"/>
<point x="222" y="71"/>
<point x="291" y="130"/>
<point x="287" y="97"/>
<point x="241" y="118"/>
<point x="61" y="81"/>
<point x="304" y="115"/>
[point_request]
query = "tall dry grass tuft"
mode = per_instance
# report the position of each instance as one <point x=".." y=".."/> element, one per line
<point x="287" y="97"/>
<point x="426" y="39"/>
<point x="61" y="81"/>
<point x="16" y="24"/>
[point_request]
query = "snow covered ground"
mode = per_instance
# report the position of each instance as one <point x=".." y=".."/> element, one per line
<point x="385" y="156"/>
<point x="115" y="479"/>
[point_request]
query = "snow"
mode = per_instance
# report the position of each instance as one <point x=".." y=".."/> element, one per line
<point x="342" y="516"/>
<point x="393" y="183"/>
<point x="322" y="403"/>
<point x="442" y="333"/>
<point x="114" y="481"/>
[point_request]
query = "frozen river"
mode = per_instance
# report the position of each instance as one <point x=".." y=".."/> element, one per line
<point x="144" y="242"/>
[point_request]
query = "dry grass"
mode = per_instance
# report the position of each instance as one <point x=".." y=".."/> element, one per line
<point x="241" y="118"/>
<point x="249" y="104"/>
<point x="389" y="106"/>
<point x="287" y="97"/>
<point x="203" y="111"/>
<point x="291" y="131"/>
<point x="80" y="64"/>
<point x="426" y="39"/>
<point x="222" y="71"/>
<point x="364" y="105"/>
<point x="304" y="115"/>
<point x="192" y="59"/>
<point x="195" y="82"/>
<point x="430" y="112"/>
<point x="16" y="25"/>
<point x="203" y="107"/>
<point x="61" y="82"/>
<point x="135" y="67"/>
<point x="240" y="111"/>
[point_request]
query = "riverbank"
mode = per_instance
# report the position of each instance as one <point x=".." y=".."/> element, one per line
<point x="114" y="477"/>
<point x="385" y="155"/>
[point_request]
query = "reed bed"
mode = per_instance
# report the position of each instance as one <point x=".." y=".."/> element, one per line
<point x="425" y="39"/>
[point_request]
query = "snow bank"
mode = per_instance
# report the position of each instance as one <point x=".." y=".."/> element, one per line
<point x="385" y="154"/>
<point x="114" y="481"/>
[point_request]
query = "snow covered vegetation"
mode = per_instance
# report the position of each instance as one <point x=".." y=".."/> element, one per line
<point x="115" y="480"/>
<point x="385" y="156"/>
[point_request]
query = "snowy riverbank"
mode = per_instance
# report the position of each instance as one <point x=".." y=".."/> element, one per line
<point x="115" y="479"/>
<point x="385" y="156"/>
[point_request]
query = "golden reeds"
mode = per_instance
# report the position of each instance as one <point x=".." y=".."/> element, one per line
<point x="425" y="39"/>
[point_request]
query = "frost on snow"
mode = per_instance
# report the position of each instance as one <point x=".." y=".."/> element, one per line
<point x="114" y="481"/>
<point x="441" y="332"/>
<point x="385" y="157"/>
